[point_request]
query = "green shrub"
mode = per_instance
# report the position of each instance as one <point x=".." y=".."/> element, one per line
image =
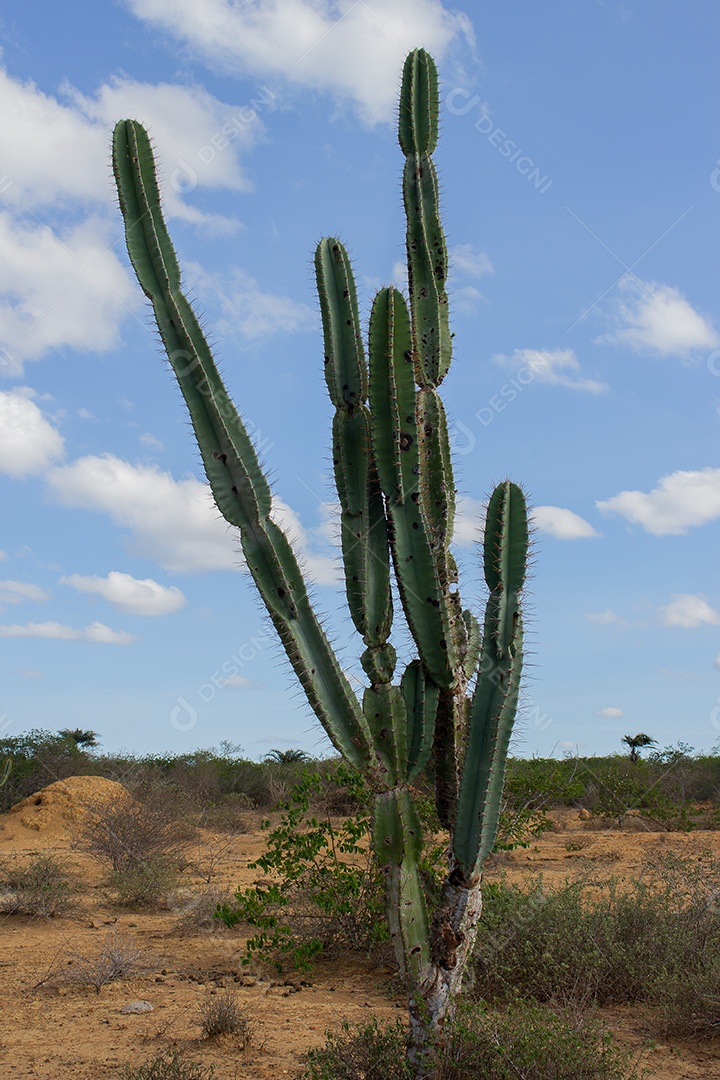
<point x="145" y="884"/>
<point x="324" y="891"/>
<point x="528" y="1042"/>
<point x="532" y="1042"/>
<point x="41" y="888"/>
<point x="654" y="940"/>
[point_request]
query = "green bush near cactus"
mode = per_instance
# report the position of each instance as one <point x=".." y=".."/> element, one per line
<point x="528" y="1041"/>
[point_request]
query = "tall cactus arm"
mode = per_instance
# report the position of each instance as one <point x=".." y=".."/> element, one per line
<point x="491" y="722"/>
<point x="419" y="108"/>
<point x="505" y="555"/>
<point x="427" y="271"/>
<point x="421" y="702"/>
<point x="364" y="537"/>
<point x="417" y="560"/>
<point x="236" y="479"/>
<point x="426" y="249"/>
<point x="397" y="841"/>
<point x="495" y="699"/>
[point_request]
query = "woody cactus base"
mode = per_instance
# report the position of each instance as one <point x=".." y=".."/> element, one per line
<point x="454" y="703"/>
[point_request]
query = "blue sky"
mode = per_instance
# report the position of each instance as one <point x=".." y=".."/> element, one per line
<point x="580" y="169"/>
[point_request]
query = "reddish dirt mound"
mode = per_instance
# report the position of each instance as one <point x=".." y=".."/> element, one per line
<point x="63" y="803"/>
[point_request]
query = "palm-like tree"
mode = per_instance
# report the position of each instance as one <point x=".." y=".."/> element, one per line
<point x="635" y="742"/>
<point x="287" y="757"/>
<point x="83" y="740"/>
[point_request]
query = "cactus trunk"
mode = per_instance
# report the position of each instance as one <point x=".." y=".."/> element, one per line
<point x="394" y="478"/>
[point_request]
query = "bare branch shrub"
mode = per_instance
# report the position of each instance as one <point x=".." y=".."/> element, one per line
<point x="168" y="1065"/>
<point x="222" y="1014"/>
<point x="196" y="910"/>
<point x="126" y="833"/>
<point x="41" y="888"/>
<point x="119" y="958"/>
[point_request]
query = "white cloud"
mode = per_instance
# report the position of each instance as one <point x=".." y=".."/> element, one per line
<point x="469" y="521"/>
<point x="398" y="277"/>
<point x="353" y="50"/>
<point x="174" y="522"/>
<point x="610" y="713"/>
<point x="150" y="440"/>
<point x="246" y="311"/>
<point x="239" y="682"/>
<point x="561" y="523"/>
<point x="468" y="259"/>
<point x="49" y="151"/>
<point x="657" y="318"/>
<point x="688" y="611"/>
<point x="604" y="618"/>
<point x="139" y="597"/>
<point x="62" y="288"/>
<point x="559" y="367"/>
<point x="467" y="299"/>
<point x="63" y="284"/>
<point x="96" y="632"/>
<point x="15" y="592"/>
<point x="679" y="501"/>
<point x="73" y="134"/>
<point x="28" y="443"/>
<point x="322" y="569"/>
<point x="716" y="662"/>
<point x="18" y="592"/>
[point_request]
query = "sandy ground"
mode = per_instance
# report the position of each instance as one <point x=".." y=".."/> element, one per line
<point x="68" y="1031"/>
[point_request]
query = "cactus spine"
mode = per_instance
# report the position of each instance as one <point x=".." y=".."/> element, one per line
<point x="394" y="477"/>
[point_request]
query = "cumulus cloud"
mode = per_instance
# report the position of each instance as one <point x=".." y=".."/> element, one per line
<point x="173" y="522"/>
<point x="658" y="319"/>
<point x="470" y="260"/>
<point x="604" y="618"/>
<point x="136" y="596"/>
<point x="28" y="442"/>
<point x="71" y="130"/>
<point x="559" y="367"/>
<point x="679" y="501"/>
<point x="469" y="521"/>
<point x="351" y="50"/>
<point x="323" y="569"/>
<point x="62" y="282"/>
<point x="15" y="592"/>
<point x="245" y="310"/>
<point x="688" y="611"/>
<point x="561" y="523"/>
<point x="60" y="288"/>
<point x="96" y="632"/>
<point x="610" y="713"/>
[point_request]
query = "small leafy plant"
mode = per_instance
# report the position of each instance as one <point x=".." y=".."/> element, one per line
<point x="324" y="892"/>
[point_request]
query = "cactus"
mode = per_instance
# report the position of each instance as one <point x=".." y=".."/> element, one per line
<point x="394" y="477"/>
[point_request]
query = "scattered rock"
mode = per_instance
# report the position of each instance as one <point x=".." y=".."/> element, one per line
<point x="137" y="1007"/>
